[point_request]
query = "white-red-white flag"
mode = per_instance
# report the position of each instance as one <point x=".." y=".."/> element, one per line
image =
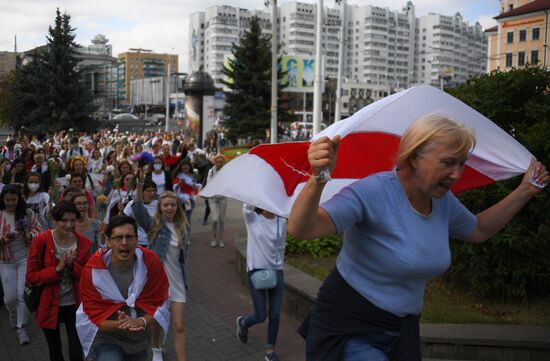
<point x="271" y="176"/>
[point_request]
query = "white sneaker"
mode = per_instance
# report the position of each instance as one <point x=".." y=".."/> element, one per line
<point x="157" y="354"/>
<point x="214" y="243"/>
<point x="22" y="336"/>
<point x="221" y="244"/>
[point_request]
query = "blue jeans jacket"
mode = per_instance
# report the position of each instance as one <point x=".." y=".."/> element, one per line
<point x="161" y="243"/>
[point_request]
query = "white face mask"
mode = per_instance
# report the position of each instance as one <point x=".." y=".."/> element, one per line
<point x="157" y="166"/>
<point x="33" y="187"/>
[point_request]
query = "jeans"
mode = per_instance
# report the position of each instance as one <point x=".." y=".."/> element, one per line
<point x="110" y="352"/>
<point x="259" y="299"/>
<point x="13" y="282"/>
<point x="218" y="207"/>
<point x="375" y="347"/>
<point x="66" y="315"/>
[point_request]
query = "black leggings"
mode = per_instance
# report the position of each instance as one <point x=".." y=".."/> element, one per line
<point x="66" y="315"/>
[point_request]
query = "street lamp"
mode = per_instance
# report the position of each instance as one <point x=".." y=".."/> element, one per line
<point x="338" y="106"/>
<point x="273" y="133"/>
<point x="166" y="121"/>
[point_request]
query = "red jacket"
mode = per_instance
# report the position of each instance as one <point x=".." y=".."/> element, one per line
<point x="46" y="276"/>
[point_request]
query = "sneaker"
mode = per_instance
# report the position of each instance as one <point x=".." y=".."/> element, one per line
<point x="157" y="354"/>
<point x="242" y="332"/>
<point x="271" y="356"/>
<point x="221" y="244"/>
<point x="213" y="243"/>
<point x="22" y="336"/>
<point x="12" y="319"/>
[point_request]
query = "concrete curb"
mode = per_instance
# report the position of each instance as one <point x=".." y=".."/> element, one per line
<point x="439" y="341"/>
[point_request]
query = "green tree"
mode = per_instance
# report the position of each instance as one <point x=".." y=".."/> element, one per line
<point x="515" y="263"/>
<point x="47" y="93"/>
<point x="248" y="101"/>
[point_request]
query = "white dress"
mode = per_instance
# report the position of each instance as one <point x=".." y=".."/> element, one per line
<point x="173" y="270"/>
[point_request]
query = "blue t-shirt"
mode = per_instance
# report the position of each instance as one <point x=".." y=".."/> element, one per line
<point x="390" y="250"/>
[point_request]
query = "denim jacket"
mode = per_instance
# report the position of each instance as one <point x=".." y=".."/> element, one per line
<point x="161" y="243"/>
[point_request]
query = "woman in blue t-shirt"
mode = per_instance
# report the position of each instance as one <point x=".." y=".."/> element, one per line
<point x="396" y="229"/>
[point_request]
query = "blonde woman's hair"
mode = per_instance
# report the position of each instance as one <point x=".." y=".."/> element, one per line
<point x="430" y="131"/>
<point x="180" y="220"/>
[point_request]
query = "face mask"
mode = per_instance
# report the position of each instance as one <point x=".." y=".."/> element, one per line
<point x="33" y="187"/>
<point x="7" y="167"/>
<point x="157" y="166"/>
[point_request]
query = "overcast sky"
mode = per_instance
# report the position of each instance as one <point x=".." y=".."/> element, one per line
<point x="162" y="25"/>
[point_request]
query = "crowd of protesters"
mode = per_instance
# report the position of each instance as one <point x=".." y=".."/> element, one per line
<point x="100" y="223"/>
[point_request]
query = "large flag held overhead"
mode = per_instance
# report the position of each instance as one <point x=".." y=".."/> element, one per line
<point x="271" y="176"/>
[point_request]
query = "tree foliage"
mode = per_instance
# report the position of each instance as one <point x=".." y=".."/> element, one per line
<point x="47" y="93"/>
<point x="248" y="101"/>
<point x="515" y="263"/>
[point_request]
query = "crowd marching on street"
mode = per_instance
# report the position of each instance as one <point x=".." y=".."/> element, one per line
<point x="95" y="235"/>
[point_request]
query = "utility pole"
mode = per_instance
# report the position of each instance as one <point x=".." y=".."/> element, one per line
<point x="317" y="92"/>
<point x="273" y="133"/>
<point x="338" y="106"/>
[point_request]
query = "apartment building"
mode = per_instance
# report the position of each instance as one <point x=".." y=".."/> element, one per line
<point x="213" y="32"/>
<point x="383" y="47"/>
<point x="521" y="35"/>
<point x="297" y="29"/>
<point x="450" y="50"/>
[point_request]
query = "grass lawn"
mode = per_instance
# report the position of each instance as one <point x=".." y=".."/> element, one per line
<point x="233" y="152"/>
<point x="443" y="304"/>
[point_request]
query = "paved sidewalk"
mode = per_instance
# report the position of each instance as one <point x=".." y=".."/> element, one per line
<point x="216" y="297"/>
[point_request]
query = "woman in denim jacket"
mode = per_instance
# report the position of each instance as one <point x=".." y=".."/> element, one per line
<point x="168" y="233"/>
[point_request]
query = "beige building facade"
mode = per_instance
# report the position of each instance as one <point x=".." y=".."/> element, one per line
<point x="7" y="62"/>
<point x="142" y="63"/>
<point x="521" y="36"/>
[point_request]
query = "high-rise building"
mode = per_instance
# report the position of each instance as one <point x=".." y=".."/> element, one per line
<point x="213" y="32"/>
<point x="381" y="45"/>
<point x="297" y="28"/>
<point x="384" y="48"/>
<point x="521" y="36"/>
<point x="142" y="63"/>
<point x="450" y="50"/>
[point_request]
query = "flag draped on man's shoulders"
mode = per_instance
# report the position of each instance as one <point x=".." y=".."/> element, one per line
<point x="101" y="297"/>
<point x="271" y="176"/>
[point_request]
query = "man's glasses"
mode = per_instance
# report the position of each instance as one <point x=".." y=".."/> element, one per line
<point x="122" y="237"/>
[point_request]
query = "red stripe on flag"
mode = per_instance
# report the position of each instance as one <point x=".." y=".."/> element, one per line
<point x="359" y="155"/>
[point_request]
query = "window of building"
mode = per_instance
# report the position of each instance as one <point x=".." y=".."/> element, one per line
<point x="510" y="37"/>
<point x="521" y="58"/>
<point x="534" y="56"/>
<point x="509" y="59"/>
<point x="536" y="34"/>
<point x="522" y="35"/>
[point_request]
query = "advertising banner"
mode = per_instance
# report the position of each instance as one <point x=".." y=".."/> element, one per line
<point x="300" y="73"/>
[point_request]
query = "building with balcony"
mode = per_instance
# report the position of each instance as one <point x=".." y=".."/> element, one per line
<point x="521" y="35"/>
<point x="385" y="50"/>
<point x="213" y="32"/>
<point x="450" y="50"/>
